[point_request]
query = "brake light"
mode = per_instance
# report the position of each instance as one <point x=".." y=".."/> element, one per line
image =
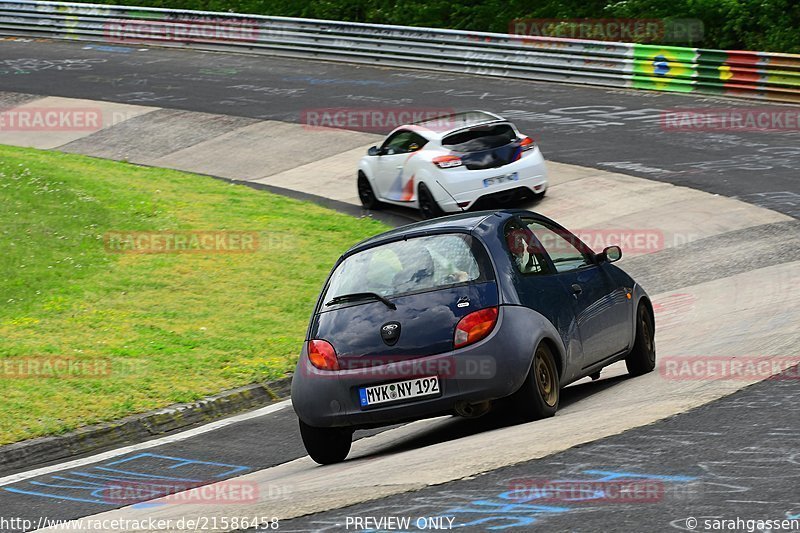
<point x="475" y="326"/>
<point x="447" y="161"/>
<point x="322" y="355"/>
<point x="527" y="144"/>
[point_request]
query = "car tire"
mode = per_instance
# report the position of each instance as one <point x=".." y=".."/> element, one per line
<point x="366" y="194"/>
<point x="326" y="445"/>
<point x="540" y="393"/>
<point x="642" y="358"/>
<point x="428" y="207"/>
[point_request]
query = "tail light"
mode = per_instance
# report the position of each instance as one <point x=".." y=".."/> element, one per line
<point x="447" y="161"/>
<point x="475" y="326"/>
<point x="322" y="355"/>
<point x="527" y="144"/>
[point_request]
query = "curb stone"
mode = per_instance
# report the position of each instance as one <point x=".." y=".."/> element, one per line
<point x="138" y="428"/>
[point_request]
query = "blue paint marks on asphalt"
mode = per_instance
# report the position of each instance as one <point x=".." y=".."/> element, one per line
<point x="517" y="508"/>
<point x="46" y="495"/>
<point x="143" y="476"/>
<point x="608" y="476"/>
<point x="152" y="474"/>
<point x="509" y="514"/>
<point x="228" y="470"/>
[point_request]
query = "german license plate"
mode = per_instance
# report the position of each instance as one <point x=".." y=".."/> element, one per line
<point x="400" y="390"/>
<point x="496" y="180"/>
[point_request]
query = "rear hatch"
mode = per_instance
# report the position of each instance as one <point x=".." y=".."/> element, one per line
<point x="431" y="281"/>
<point x="486" y="146"/>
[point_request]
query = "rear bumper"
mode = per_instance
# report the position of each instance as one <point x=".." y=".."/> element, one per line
<point x="507" y="197"/>
<point x="488" y="370"/>
<point x="468" y="189"/>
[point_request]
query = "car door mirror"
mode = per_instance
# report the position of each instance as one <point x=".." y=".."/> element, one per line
<point x="374" y="150"/>
<point x="611" y="254"/>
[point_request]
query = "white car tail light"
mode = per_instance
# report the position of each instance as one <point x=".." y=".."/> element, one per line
<point x="527" y="144"/>
<point x="447" y="161"/>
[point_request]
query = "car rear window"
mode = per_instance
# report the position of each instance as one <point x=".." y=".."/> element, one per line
<point x="413" y="265"/>
<point x="480" y="138"/>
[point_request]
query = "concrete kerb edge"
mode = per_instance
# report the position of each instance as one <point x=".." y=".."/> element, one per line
<point x="141" y="427"/>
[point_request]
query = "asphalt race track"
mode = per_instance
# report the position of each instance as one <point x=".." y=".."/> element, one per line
<point x="731" y="452"/>
<point x="736" y="457"/>
<point x="617" y="130"/>
<point x="245" y="446"/>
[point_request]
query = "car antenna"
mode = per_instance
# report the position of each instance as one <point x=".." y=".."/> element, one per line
<point x="452" y="197"/>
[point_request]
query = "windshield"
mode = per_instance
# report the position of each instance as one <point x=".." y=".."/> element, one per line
<point x="413" y="265"/>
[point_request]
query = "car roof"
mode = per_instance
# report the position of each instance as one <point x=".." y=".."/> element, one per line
<point x="460" y="222"/>
<point x="436" y="128"/>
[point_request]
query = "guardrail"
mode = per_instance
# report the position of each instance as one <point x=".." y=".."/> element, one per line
<point x="762" y="75"/>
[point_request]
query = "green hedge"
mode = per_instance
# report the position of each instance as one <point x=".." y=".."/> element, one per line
<point x="762" y="25"/>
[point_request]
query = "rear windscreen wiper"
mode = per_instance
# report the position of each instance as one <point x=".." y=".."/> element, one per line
<point x="361" y="296"/>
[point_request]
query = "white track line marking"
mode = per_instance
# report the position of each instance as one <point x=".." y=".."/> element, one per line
<point x="21" y="476"/>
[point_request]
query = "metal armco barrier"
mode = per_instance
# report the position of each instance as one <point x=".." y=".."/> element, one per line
<point x="763" y="75"/>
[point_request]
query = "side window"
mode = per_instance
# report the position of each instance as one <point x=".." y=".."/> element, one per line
<point x="528" y="256"/>
<point x="559" y="246"/>
<point x="403" y="142"/>
<point x="417" y="142"/>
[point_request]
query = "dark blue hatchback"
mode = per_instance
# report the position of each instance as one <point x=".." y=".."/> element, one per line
<point x="449" y="315"/>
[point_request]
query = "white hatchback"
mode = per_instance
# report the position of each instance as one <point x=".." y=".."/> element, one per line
<point x="452" y="163"/>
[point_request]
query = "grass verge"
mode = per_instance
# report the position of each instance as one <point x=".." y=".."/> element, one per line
<point x="88" y="334"/>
